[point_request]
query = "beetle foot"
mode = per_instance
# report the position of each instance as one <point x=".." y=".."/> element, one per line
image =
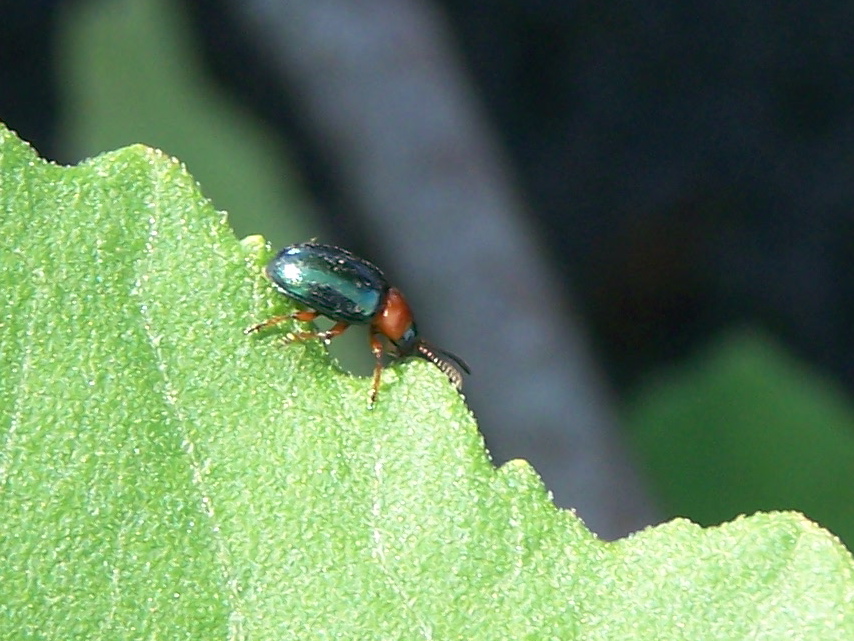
<point x="325" y="337"/>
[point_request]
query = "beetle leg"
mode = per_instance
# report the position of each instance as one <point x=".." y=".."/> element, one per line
<point x="326" y="336"/>
<point x="303" y="315"/>
<point x="336" y="330"/>
<point x="270" y="322"/>
<point x="377" y="349"/>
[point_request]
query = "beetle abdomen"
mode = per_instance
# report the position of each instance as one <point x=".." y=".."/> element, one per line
<point x="329" y="280"/>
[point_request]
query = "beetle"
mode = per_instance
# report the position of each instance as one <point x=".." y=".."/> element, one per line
<point x="339" y="285"/>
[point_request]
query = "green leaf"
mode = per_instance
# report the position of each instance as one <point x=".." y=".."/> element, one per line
<point x="165" y="476"/>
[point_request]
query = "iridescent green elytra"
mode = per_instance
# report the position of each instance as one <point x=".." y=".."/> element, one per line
<point x="331" y="280"/>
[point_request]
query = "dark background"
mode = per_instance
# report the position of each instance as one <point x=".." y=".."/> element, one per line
<point x="681" y="173"/>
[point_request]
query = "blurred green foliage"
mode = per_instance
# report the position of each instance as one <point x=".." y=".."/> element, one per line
<point x="745" y="426"/>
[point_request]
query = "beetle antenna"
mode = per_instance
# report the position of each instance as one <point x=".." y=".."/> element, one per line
<point x="449" y="363"/>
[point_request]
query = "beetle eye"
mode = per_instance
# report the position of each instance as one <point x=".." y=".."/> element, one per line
<point x="450" y="364"/>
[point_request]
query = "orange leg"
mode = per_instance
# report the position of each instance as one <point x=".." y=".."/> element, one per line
<point x="306" y="315"/>
<point x="303" y="315"/>
<point x="336" y="330"/>
<point x="377" y="349"/>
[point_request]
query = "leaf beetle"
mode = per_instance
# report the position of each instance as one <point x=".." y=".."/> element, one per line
<point x="336" y="283"/>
